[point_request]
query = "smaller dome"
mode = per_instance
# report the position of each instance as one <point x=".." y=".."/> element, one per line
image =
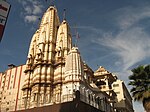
<point x="101" y="71"/>
<point x="74" y="64"/>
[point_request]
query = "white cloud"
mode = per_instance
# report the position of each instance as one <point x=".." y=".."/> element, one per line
<point x="130" y="45"/>
<point x="37" y="9"/>
<point x="129" y="16"/>
<point x="31" y="18"/>
<point x="23" y="2"/>
<point x="89" y="28"/>
<point x="28" y="9"/>
<point x="31" y="10"/>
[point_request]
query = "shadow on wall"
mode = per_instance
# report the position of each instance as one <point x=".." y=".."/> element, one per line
<point x="73" y="106"/>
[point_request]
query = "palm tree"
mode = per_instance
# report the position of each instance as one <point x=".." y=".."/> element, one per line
<point x="140" y="80"/>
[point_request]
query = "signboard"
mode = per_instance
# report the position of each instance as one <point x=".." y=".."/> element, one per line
<point x="4" y="11"/>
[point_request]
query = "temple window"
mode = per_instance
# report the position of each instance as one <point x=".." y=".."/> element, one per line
<point x="115" y="85"/>
<point x="117" y="92"/>
<point x="89" y="98"/>
<point x="110" y="87"/>
<point x="34" y="97"/>
<point x="58" y="53"/>
<point x="7" y="109"/>
<point x="92" y="98"/>
<point x="57" y="97"/>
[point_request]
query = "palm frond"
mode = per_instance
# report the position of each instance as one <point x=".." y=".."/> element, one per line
<point x="140" y="82"/>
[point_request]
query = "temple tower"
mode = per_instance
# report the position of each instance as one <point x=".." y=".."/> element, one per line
<point x="73" y="74"/>
<point x="63" y="46"/>
<point x="37" y="89"/>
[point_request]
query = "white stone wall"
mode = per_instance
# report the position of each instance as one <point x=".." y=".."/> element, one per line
<point x="124" y="100"/>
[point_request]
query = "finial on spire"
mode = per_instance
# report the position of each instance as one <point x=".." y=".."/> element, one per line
<point x="77" y="38"/>
<point x="64" y="14"/>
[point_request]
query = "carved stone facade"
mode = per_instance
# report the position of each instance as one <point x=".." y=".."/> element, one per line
<point x="46" y="61"/>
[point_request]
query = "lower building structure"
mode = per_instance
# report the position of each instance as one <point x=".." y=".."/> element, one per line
<point x="88" y="91"/>
<point x="124" y="99"/>
<point x="11" y="88"/>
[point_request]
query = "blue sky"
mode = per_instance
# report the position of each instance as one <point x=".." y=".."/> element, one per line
<point x="113" y="33"/>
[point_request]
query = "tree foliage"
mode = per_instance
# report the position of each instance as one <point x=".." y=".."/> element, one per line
<point x="140" y="82"/>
